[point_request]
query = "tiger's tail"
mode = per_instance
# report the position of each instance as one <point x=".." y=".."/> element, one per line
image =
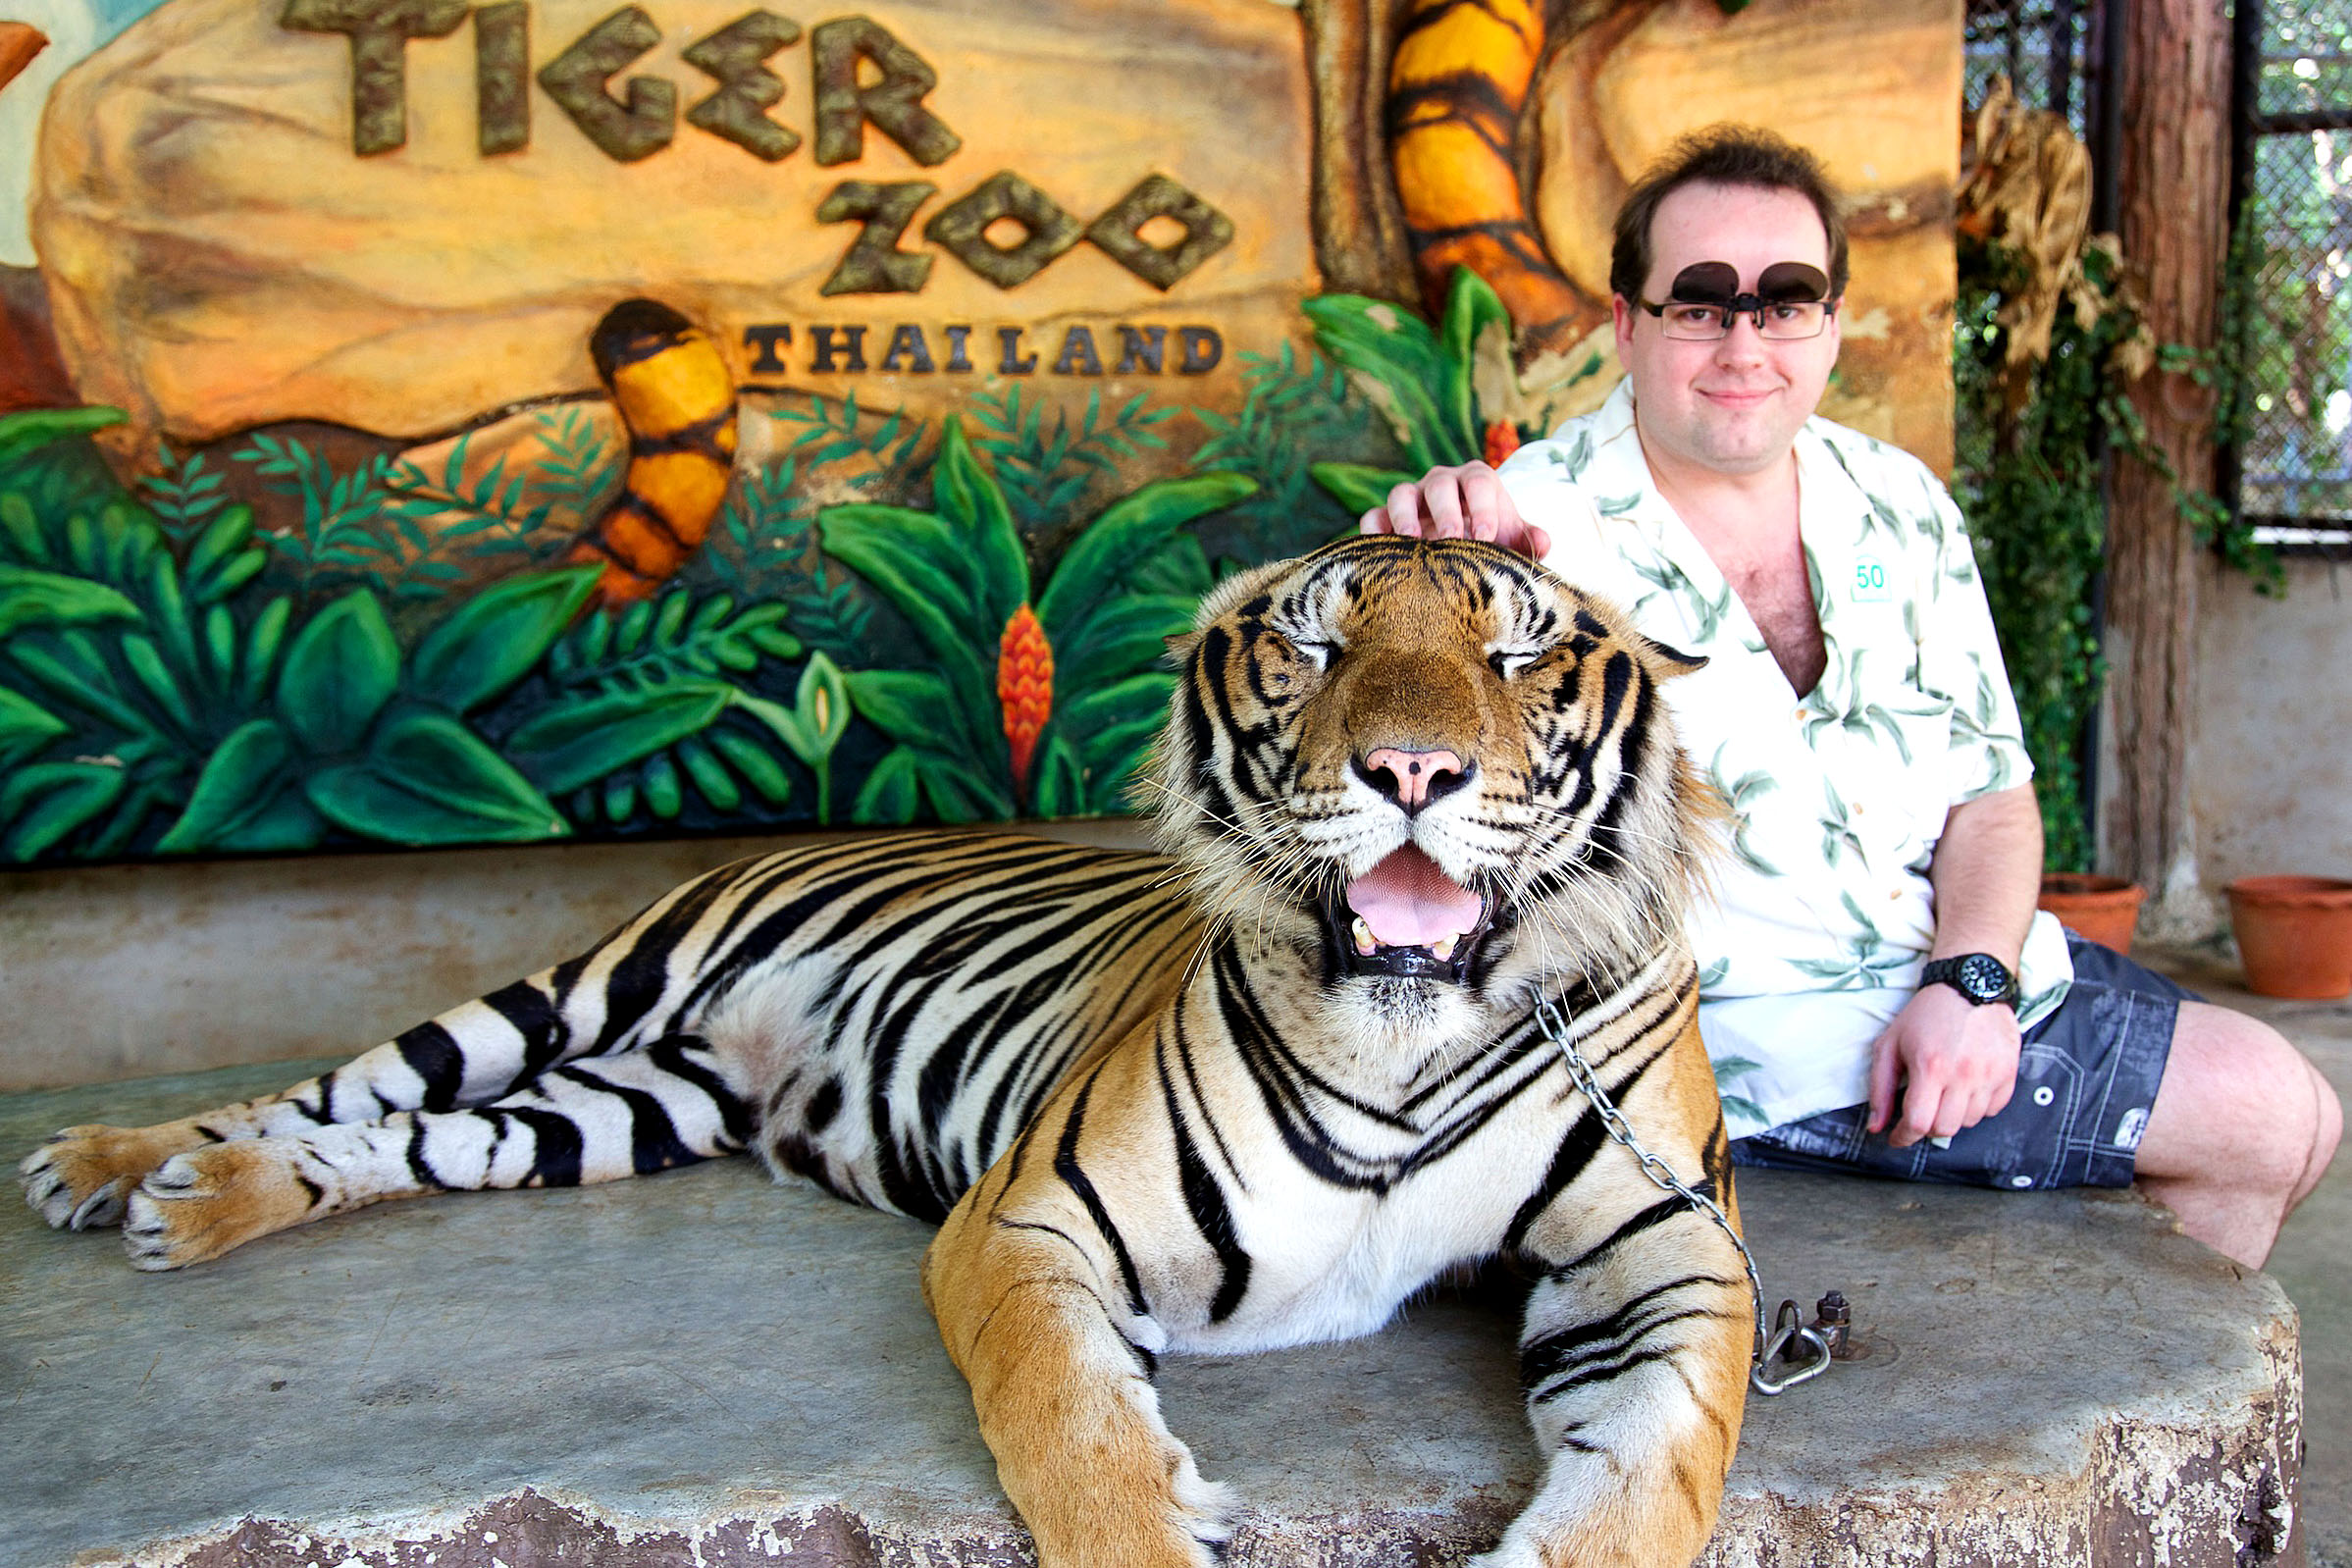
<point x="677" y="399"/>
<point x="1458" y="86"/>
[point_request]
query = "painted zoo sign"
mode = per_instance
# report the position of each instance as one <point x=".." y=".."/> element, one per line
<point x="445" y="423"/>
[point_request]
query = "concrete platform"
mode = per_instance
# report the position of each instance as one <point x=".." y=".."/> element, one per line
<point x="702" y="1368"/>
<point x="2313" y="1260"/>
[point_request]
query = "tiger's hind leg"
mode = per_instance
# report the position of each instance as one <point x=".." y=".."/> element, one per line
<point x="598" y="1004"/>
<point x="82" y="1177"/>
<point x="589" y="1121"/>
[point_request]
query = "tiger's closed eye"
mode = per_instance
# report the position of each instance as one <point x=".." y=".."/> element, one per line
<point x="1509" y="662"/>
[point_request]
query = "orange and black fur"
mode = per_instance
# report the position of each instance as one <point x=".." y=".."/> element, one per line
<point x="1256" y="1092"/>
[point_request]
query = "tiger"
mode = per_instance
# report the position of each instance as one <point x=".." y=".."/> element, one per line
<point x="1257" y="1089"/>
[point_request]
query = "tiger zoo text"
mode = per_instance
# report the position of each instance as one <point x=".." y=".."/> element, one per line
<point x="1004" y="228"/>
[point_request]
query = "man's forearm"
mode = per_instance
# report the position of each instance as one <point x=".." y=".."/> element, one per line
<point x="1987" y="873"/>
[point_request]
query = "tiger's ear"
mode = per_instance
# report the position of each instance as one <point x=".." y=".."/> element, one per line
<point x="1670" y="661"/>
<point x="1180" y="646"/>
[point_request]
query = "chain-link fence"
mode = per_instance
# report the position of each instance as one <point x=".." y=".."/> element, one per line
<point x="2291" y="272"/>
<point x="2042" y="46"/>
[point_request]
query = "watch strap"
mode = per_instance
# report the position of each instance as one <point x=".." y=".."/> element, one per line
<point x="1979" y="976"/>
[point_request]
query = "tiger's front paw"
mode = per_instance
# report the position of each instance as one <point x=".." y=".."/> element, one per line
<point x="83" y="1176"/>
<point x="198" y="1205"/>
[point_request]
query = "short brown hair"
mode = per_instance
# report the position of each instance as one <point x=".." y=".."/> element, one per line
<point x="1722" y="155"/>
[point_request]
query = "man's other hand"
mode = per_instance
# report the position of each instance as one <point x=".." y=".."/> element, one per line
<point x="1958" y="1064"/>
<point x="1465" y="503"/>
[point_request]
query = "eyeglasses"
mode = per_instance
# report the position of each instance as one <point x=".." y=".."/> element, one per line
<point x="1791" y="302"/>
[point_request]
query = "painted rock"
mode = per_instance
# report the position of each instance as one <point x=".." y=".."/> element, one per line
<point x="403" y="215"/>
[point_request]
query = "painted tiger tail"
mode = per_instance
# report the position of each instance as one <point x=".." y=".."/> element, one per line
<point x="677" y="399"/>
<point x="1458" y="86"/>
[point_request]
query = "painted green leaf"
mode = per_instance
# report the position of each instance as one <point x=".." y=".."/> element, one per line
<point x="222" y="538"/>
<point x="1058" y="788"/>
<point x="22" y="529"/>
<point x="1116" y="784"/>
<point x="911" y="707"/>
<point x="712" y="780"/>
<point x="958" y="792"/>
<point x="1119" y="638"/>
<point x="1103" y="749"/>
<point x="1140" y="699"/>
<point x="25" y="726"/>
<point x="339" y="672"/>
<point x="1129" y="533"/>
<point x="752" y="761"/>
<point x="245" y="777"/>
<point x="1472" y="310"/>
<point x="665" y="792"/>
<point x="1180" y="566"/>
<point x="21" y="432"/>
<point x="261" y="649"/>
<point x="1357" y="488"/>
<point x="235" y="573"/>
<point x="427" y="779"/>
<point x="889" y="794"/>
<point x="970" y="500"/>
<point x="499" y="635"/>
<point x="32" y="597"/>
<point x="582" y="738"/>
<point x="1399" y="365"/>
<point x="148" y="666"/>
<point x="900" y="552"/>
<point x="50" y="799"/>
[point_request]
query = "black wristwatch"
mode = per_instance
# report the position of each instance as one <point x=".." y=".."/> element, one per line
<point x="1978" y="976"/>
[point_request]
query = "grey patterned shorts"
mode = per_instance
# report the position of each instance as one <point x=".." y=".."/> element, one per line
<point x="2086" y="1077"/>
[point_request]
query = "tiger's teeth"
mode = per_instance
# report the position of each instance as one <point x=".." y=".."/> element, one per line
<point x="1364" y="939"/>
<point x="1443" y="947"/>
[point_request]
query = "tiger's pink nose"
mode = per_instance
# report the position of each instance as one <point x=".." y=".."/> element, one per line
<point x="1412" y="779"/>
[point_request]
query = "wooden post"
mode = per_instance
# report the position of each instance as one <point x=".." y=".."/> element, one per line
<point x="2173" y="177"/>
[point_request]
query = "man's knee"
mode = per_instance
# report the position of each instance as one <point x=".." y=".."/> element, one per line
<point x="2240" y="1106"/>
<point x="2328" y="1133"/>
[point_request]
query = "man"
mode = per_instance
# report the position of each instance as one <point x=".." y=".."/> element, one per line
<point x="1879" y="991"/>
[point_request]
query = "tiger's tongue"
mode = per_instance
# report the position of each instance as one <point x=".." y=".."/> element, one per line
<point x="1407" y="902"/>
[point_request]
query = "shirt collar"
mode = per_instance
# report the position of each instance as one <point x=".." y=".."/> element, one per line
<point x="1825" y="485"/>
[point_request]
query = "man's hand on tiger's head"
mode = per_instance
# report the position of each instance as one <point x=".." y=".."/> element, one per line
<point x="1465" y="503"/>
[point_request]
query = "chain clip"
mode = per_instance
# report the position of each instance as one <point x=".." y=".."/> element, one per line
<point x="1766" y="1348"/>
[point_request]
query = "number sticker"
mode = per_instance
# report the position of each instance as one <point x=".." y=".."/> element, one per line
<point x="1870" y="581"/>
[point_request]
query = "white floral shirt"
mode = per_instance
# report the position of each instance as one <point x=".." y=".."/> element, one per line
<point x="1824" y="913"/>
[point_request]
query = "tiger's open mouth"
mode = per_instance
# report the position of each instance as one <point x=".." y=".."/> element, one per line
<point x="1407" y="919"/>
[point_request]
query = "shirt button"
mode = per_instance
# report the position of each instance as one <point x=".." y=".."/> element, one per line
<point x="2021" y="1181"/>
<point x="2044" y="1095"/>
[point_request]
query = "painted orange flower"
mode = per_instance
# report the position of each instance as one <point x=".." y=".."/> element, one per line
<point x="1024" y="686"/>
<point x="1503" y="439"/>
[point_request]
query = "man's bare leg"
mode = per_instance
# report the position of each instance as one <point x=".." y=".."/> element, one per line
<point x="2242" y="1129"/>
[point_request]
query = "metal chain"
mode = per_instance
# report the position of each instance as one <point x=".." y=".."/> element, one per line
<point x="1767" y="1347"/>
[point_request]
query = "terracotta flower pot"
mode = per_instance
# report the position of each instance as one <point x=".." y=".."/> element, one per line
<point x="2295" y="934"/>
<point x="2104" y="908"/>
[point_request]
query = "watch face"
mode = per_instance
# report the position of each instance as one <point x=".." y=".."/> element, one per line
<point x="1982" y="977"/>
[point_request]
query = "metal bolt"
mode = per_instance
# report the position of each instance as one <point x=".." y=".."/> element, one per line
<point x="1832" y="1319"/>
